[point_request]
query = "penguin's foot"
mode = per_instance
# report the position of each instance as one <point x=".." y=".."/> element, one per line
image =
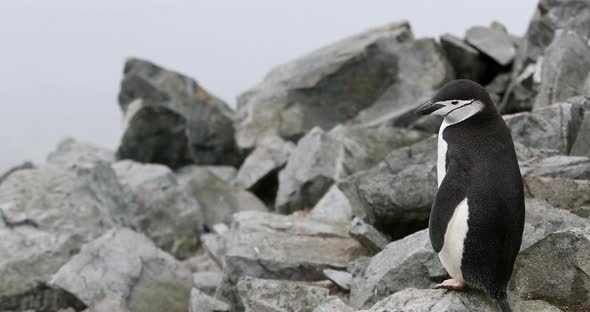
<point x="450" y="284"/>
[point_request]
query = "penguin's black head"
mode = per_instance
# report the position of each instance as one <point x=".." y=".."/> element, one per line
<point x="458" y="100"/>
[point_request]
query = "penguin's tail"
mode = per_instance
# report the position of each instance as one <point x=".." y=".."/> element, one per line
<point x="502" y="301"/>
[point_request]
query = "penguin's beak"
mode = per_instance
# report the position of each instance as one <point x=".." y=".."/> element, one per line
<point x="428" y="108"/>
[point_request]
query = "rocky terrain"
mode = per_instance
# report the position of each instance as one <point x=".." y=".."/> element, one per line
<point x="313" y="195"/>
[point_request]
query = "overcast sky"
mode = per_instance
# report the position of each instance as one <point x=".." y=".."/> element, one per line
<point x="61" y="60"/>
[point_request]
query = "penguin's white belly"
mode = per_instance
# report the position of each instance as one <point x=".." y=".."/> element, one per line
<point x="452" y="252"/>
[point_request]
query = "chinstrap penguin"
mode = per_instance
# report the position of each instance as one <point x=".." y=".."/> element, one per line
<point x="477" y="218"/>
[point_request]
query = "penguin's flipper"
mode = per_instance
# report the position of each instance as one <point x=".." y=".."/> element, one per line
<point x="451" y="192"/>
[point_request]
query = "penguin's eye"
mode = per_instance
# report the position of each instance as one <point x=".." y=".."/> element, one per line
<point x="455" y="102"/>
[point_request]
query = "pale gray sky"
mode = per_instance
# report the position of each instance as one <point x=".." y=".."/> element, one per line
<point x="62" y="60"/>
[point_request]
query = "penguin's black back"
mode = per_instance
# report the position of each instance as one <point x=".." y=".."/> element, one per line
<point x="483" y="148"/>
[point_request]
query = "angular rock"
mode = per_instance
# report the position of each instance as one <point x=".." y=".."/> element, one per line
<point x="71" y="154"/>
<point x="214" y="244"/>
<point x="200" y="302"/>
<point x="23" y="166"/>
<point x="467" y="61"/>
<point x="322" y="158"/>
<point x="409" y="262"/>
<point x="368" y="236"/>
<point x="526" y="154"/>
<point x="569" y="194"/>
<point x="542" y="219"/>
<point x="396" y="195"/>
<point x="259" y="172"/>
<point x="438" y="300"/>
<point x="259" y="295"/>
<point x="554" y="127"/>
<point x="206" y="282"/>
<point x="557" y="270"/>
<point x="324" y="88"/>
<point x="219" y="200"/>
<point x="334" y="304"/>
<point x="581" y="146"/>
<point x="342" y="279"/>
<point x="498" y="86"/>
<point x="549" y="16"/>
<point x="271" y="246"/>
<point x="333" y="206"/>
<point x="178" y="123"/>
<point x="492" y="42"/>
<point x="566" y="67"/>
<point x="201" y="261"/>
<point x="166" y="213"/>
<point x="48" y="213"/>
<point x="123" y="269"/>
<point x="226" y="174"/>
<point x="559" y="167"/>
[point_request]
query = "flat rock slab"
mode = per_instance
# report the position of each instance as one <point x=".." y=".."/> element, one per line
<point x="569" y="194"/>
<point x="124" y="269"/>
<point x="492" y="42"/>
<point x="571" y="167"/>
<point x="271" y="246"/>
<point x="260" y="295"/>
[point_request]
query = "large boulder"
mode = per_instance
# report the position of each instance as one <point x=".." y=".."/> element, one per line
<point x="467" y="61"/>
<point x="549" y="16"/>
<point x="439" y="300"/>
<point x="396" y="195"/>
<point x="409" y="262"/>
<point x="271" y="246"/>
<point x="572" y="167"/>
<point x="172" y="120"/>
<point x="165" y="212"/>
<point x="124" y="270"/>
<point x="261" y="295"/>
<point x="566" y="69"/>
<point x="382" y="71"/>
<point x="321" y="158"/>
<point x="74" y="154"/>
<point x="554" y="127"/>
<point x="557" y="270"/>
<point x="493" y="42"/>
<point x="48" y="213"/>
<point x="218" y="199"/>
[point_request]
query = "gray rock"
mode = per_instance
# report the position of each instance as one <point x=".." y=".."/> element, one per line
<point x="71" y="154"/>
<point x="214" y="244"/>
<point x="542" y="219"/>
<point x="498" y="86"/>
<point x="467" y="61"/>
<point x="333" y="206"/>
<point x="554" y="127"/>
<point x="226" y="174"/>
<point x="200" y="302"/>
<point x="322" y="158"/>
<point x="572" y="167"/>
<point x="549" y="16"/>
<point x="48" y="213"/>
<point x="566" y="67"/>
<point x="409" y="262"/>
<point x="334" y="304"/>
<point x="438" y="300"/>
<point x="23" y="166"/>
<point x="492" y="42"/>
<point x="259" y="295"/>
<point x="123" y="269"/>
<point x="581" y="146"/>
<point x="166" y="213"/>
<point x="526" y="154"/>
<point x="271" y="246"/>
<point x="368" y="236"/>
<point x="206" y="282"/>
<point x="201" y="261"/>
<point x="323" y="88"/>
<point x="342" y="279"/>
<point x="184" y="124"/>
<point x="219" y="200"/>
<point x="569" y="194"/>
<point x="396" y="195"/>
<point x="259" y="172"/>
<point x="556" y="270"/>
